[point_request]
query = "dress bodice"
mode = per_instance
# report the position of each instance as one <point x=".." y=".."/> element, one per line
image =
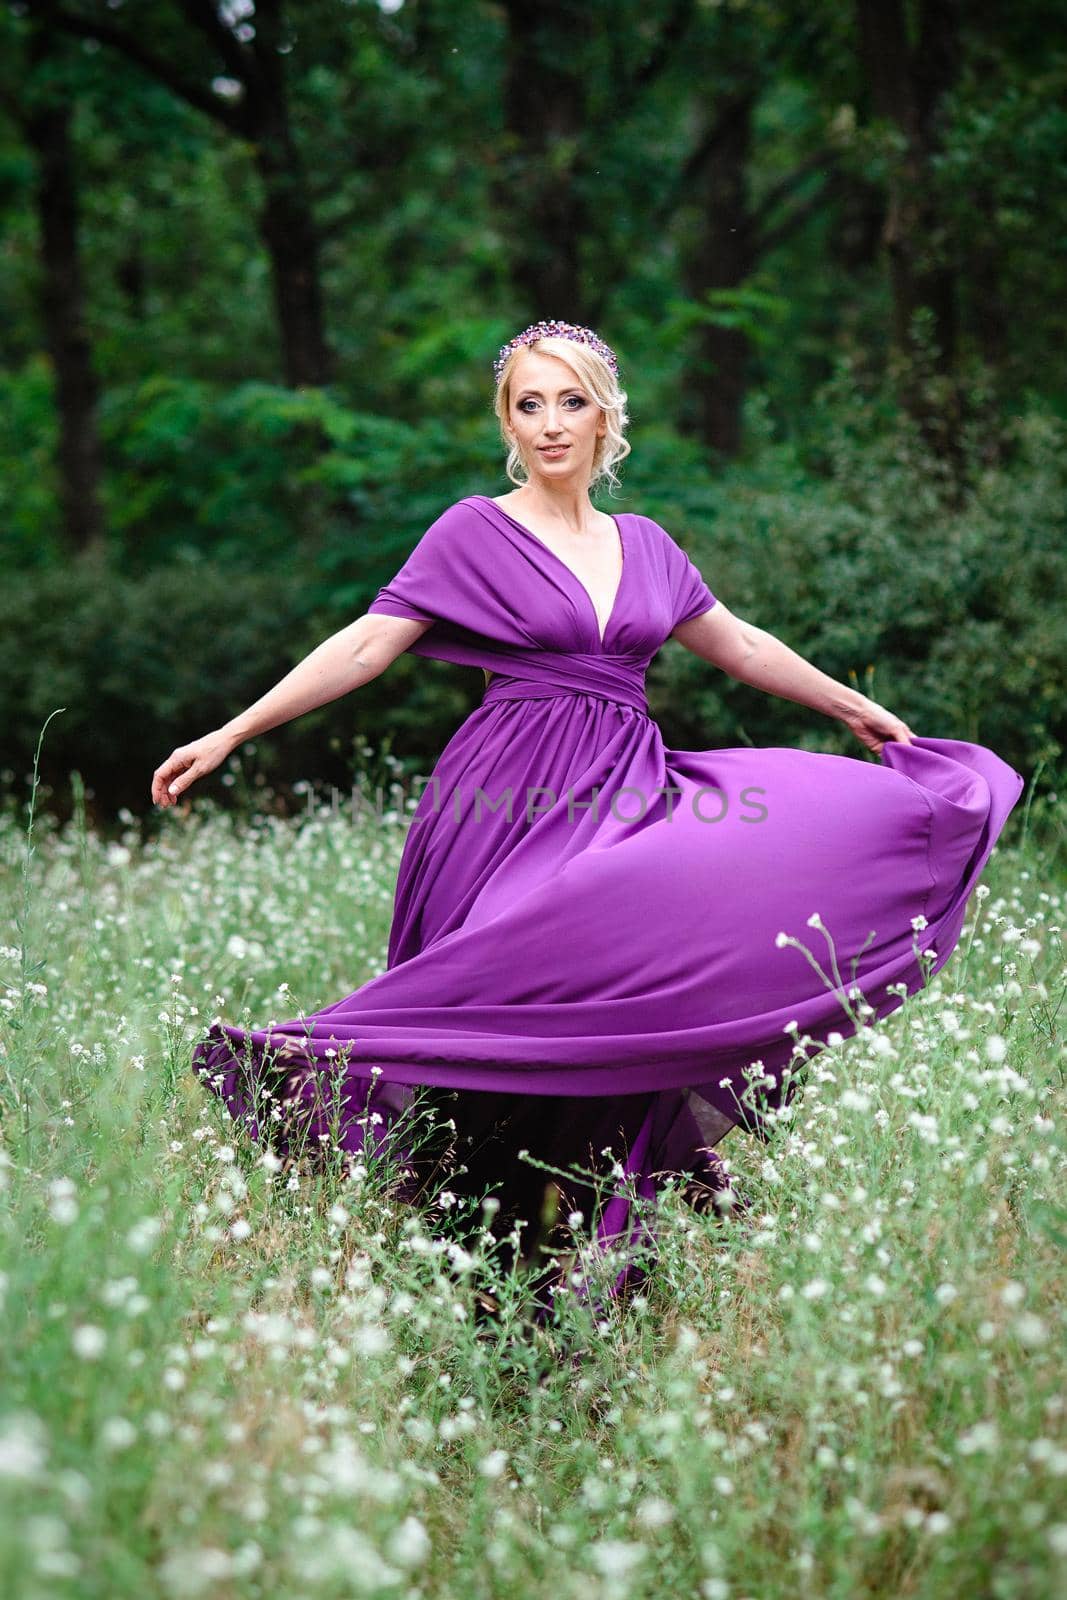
<point x="501" y="600"/>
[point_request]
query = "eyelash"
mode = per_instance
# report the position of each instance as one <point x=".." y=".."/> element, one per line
<point x="581" y="403"/>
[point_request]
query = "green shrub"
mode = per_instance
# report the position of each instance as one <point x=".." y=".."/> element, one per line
<point x="954" y="619"/>
<point x="248" y="524"/>
<point x="142" y="664"/>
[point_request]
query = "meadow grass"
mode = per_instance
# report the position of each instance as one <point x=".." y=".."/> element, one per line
<point x="226" y="1378"/>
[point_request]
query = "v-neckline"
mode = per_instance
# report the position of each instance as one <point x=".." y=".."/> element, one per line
<point x="601" y="637"/>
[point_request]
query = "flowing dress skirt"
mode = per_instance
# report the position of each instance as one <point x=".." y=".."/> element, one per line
<point x="600" y="943"/>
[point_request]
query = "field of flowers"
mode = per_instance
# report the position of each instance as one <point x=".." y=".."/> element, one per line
<point x="224" y="1379"/>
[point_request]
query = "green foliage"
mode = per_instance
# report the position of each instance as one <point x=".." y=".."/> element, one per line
<point x="129" y="659"/>
<point x="224" y="1379"/>
<point x="245" y="521"/>
<point x="954" y="619"/>
<point x="29" y="534"/>
<point x="142" y="662"/>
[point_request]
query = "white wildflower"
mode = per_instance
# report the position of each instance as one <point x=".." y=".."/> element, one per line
<point x="185" y="1573"/>
<point x="89" y="1341"/>
<point x="62" y="1201"/>
<point x="141" y="1236"/>
<point x="616" y="1558"/>
<point x="117" y="1433"/>
<point x="409" y="1543"/>
<point x="983" y="1436"/>
<point x="815" y="1289"/>
<point x="493" y="1465"/>
<point x="715" y="1589"/>
<point x="370" y="1340"/>
<point x="655" y="1512"/>
<point x="23" y="1447"/>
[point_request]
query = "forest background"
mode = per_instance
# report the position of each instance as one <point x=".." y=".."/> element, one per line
<point x="256" y="261"/>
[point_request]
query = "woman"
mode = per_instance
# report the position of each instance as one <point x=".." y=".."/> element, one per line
<point x="597" y="942"/>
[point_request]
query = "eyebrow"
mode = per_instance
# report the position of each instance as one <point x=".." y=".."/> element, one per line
<point x="571" y="388"/>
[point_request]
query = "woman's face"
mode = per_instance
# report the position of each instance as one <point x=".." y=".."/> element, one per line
<point x="553" y="419"/>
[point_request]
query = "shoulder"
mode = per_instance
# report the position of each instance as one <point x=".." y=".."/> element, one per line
<point x="449" y="532"/>
<point x="653" y="531"/>
<point x="471" y="517"/>
<point x="461" y="513"/>
<point x="662" y="544"/>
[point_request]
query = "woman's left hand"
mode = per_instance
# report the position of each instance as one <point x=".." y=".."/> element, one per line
<point x="874" y="726"/>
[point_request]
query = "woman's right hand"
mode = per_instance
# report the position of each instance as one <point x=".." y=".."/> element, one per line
<point x="874" y="726"/>
<point x="188" y="763"/>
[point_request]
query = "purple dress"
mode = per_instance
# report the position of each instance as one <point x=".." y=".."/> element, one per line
<point x="586" y="934"/>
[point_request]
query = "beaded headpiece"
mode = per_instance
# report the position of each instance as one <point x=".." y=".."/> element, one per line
<point x="557" y="330"/>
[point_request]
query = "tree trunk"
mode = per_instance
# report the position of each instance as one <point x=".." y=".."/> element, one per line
<point x="538" y="189"/>
<point x="62" y="300"/>
<point x="289" y="233"/>
<point x="287" y="222"/>
<point x="260" y="118"/>
<point x="856" y="238"/>
<point x="908" y="87"/>
<point x="721" y="258"/>
<point x="989" y="311"/>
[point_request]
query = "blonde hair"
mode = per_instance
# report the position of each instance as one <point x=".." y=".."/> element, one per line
<point x="599" y="381"/>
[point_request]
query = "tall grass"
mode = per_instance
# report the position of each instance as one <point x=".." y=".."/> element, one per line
<point x="225" y="1378"/>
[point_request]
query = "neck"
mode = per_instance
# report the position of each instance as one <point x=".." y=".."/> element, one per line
<point x="560" y="502"/>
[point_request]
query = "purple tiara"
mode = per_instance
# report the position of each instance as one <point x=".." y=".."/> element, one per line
<point x="557" y="330"/>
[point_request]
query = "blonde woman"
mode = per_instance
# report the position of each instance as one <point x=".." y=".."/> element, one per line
<point x="597" y="941"/>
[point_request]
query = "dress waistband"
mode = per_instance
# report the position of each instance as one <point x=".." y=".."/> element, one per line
<point x="604" y="680"/>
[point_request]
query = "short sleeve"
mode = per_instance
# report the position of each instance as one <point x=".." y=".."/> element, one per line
<point x="420" y="590"/>
<point x="690" y="595"/>
<point x="387" y="602"/>
<point x="459" y="577"/>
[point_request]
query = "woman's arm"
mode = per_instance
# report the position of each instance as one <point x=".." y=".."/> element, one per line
<point x="343" y="662"/>
<point x="754" y="656"/>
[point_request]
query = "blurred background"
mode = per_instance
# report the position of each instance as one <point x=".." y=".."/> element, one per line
<point x="257" y="259"/>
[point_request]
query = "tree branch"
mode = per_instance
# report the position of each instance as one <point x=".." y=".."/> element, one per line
<point x="158" y="67"/>
<point x="825" y="157"/>
<point x="670" y="36"/>
<point x="9" y="104"/>
<point x="203" y="16"/>
<point x="673" y="194"/>
<point x="773" y="237"/>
